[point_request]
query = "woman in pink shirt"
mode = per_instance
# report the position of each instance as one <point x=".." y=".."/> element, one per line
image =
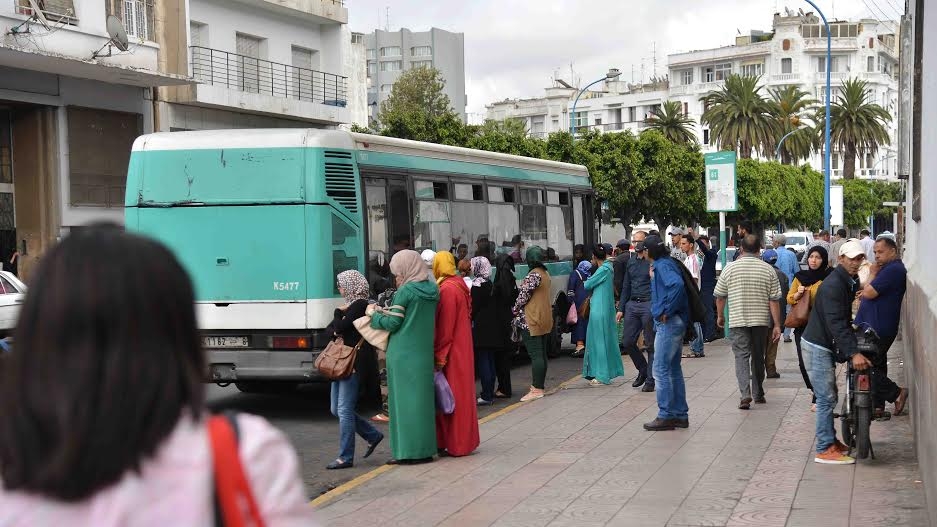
<point x="102" y="417"/>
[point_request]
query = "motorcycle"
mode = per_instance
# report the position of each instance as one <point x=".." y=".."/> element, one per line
<point x="857" y="409"/>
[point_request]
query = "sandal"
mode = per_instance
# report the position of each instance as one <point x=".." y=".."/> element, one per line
<point x="690" y="355"/>
<point x="500" y="395"/>
<point x="381" y="418"/>
<point x="579" y="352"/>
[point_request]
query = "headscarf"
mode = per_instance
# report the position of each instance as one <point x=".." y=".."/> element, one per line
<point x="354" y="285"/>
<point x="427" y="255"/>
<point x="585" y="268"/>
<point x="809" y="276"/>
<point x="481" y="270"/>
<point x="535" y="257"/>
<point x="408" y="267"/>
<point x="443" y="266"/>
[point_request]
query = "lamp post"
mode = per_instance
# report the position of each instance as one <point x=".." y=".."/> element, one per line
<point x="826" y="133"/>
<point x="612" y="74"/>
<point x="777" y="151"/>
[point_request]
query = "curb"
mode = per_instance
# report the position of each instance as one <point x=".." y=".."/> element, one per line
<point x="368" y="476"/>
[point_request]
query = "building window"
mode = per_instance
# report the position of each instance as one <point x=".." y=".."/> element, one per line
<point x="138" y="18"/>
<point x="870" y="64"/>
<point x="390" y="51"/>
<point x="198" y="34"/>
<point x="99" y="144"/>
<point x="372" y="54"/>
<point x="834" y="161"/>
<point x="579" y="121"/>
<point x="709" y="74"/>
<point x="836" y="30"/>
<point x="786" y="44"/>
<point x="722" y="71"/>
<point x="60" y="11"/>
<point x="372" y="68"/>
<point x="753" y="70"/>
<point x="421" y="51"/>
<point x="392" y="65"/>
<point x="706" y="136"/>
<point x="421" y="64"/>
<point x="686" y="77"/>
<point x="837" y="63"/>
<point x="686" y="108"/>
<point x="787" y="66"/>
<point x="386" y="88"/>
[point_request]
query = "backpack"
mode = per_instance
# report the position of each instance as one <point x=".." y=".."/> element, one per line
<point x="697" y="309"/>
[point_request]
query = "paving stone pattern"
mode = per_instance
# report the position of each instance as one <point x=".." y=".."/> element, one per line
<point x="581" y="458"/>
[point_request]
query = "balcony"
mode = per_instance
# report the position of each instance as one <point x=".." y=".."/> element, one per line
<point x="318" y="11"/>
<point x="816" y="45"/>
<point x="228" y="80"/>
<point x="785" y="78"/>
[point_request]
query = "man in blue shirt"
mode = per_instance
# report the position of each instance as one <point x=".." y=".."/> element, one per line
<point x="670" y="310"/>
<point x="787" y="263"/>
<point x="880" y="308"/>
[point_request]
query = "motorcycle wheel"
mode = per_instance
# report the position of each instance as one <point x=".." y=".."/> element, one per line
<point x="846" y="428"/>
<point x="863" y="421"/>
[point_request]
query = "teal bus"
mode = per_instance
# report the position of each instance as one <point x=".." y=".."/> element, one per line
<point x="263" y="221"/>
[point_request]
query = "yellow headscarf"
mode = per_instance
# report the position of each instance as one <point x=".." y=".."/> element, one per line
<point x="443" y="266"/>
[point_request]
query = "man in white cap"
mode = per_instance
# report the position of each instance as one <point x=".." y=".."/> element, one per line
<point x="829" y="337"/>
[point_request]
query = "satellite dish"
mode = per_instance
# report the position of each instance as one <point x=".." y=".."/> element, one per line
<point x="117" y="33"/>
<point x="38" y="14"/>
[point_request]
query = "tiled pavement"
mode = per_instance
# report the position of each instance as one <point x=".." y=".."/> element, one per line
<point x="581" y="458"/>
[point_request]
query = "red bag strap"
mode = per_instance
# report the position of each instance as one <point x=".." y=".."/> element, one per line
<point x="233" y="495"/>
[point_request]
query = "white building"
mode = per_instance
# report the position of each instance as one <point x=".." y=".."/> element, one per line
<point x="70" y="108"/>
<point x="621" y="106"/>
<point x="541" y="115"/>
<point x="390" y="53"/>
<point x="795" y="53"/>
<point x="263" y="64"/>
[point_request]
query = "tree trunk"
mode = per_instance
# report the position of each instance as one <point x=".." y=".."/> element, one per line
<point x="849" y="161"/>
<point x="745" y="150"/>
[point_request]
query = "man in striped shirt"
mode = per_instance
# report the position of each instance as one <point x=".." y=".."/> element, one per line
<point x="753" y="292"/>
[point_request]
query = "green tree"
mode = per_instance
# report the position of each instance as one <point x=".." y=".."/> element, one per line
<point x="793" y="109"/>
<point x="739" y="118"/>
<point x="863" y="199"/>
<point x="507" y="137"/>
<point x="771" y="193"/>
<point x="418" y="109"/>
<point x="670" y="120"/>
<point x="858" y="126"/>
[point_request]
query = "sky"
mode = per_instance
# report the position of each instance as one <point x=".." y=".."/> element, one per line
<point x="514" y="48"/>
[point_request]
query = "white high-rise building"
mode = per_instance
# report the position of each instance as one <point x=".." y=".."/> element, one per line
<point x="795" y="54"/>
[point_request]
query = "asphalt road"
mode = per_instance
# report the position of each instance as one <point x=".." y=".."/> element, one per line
<point x="303" y="415"/>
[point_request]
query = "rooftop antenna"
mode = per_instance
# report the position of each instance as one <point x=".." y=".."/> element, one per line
<point x="654" y="50"/>
<point x="387" y="20"/>
<point x="38" y="14"/>
<point x="118" y="38"/>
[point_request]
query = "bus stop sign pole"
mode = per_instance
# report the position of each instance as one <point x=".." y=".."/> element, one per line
<point x="721" y="197"/>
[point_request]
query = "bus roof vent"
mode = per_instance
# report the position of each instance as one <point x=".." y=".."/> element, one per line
<point x="340" y="179"/>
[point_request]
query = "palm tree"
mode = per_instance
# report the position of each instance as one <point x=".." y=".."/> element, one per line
<point x="739" y="118"/>
<point x="857" y="125"/>
<point x="792" y="109"/>
<point x="670" y="120"/>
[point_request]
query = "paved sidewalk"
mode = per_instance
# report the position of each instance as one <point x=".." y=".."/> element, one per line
<point x="581" y="458"/>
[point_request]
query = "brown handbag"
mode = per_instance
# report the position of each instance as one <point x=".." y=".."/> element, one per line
<point x="584" y="308"/>
<point x="337" y="360"/>
<point x="799" y="314"/>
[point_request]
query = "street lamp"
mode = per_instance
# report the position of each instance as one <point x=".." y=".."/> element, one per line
<point x="612" y="74"/>
<point x="777" y="151"/>
<point x="826" y="133"/>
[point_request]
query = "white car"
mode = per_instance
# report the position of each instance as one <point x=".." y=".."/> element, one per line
<point x="12" y="294"/>
<point x="798" y="241"/>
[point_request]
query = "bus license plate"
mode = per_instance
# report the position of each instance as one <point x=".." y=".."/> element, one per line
<point x="225" y="342"/>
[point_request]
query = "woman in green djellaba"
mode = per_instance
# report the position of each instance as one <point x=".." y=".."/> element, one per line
<point x="411" y="395"/>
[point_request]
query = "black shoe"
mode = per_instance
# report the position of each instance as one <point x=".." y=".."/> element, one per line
<point x="372" y="446"/>
<point x="745" y="403"/>
<point x="680" y="423"/>
<point x="648" y="387"/>
<point x="659" y="424"/>
<point x="711" y="339"/>
<point x="760" y="400"/>
<point x="774" y="375"/>
<point x="339" y="464"/>
<point x="640" y="380"/>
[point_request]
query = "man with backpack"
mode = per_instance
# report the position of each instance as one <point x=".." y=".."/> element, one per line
<point x="752" y="289"/>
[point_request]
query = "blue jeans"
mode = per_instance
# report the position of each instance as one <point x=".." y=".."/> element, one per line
<point x="668" y="375"/>
<point x="344" y="400"/>
<point x="822" y="371"/>
<point x="638" y="318"/>
<point x="709" y="302"/>
<point x="485" y="366"/>
<point x="696" y="346"/>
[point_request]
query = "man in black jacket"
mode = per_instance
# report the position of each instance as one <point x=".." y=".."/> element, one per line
<point x="828" y="339"/>
<point x="707" y="286"/>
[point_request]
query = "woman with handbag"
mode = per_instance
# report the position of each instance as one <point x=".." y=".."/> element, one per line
<point x="119" y="433"/>
<point x="456" y="432"/>
<point x="486" y="336"/>
<point x="411" y="393"/>
<point x="504" y="289"/>
<point x="801" y="297"/>
<point x="578" y="297"/>
<point x="353" y="287"/>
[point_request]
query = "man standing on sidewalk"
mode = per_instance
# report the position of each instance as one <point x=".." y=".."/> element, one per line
<point x="695" y="266"/>
<point x="670" y="310"/>
<point x="676" y="252"/>
<point x="881" y="310"/>
<point x="634" y="308"/>
<point x="868" y="245"/>
<point x="829" y="339"/>
<point x="834" y="247"/>
<point x="771" y="356"/>
<point x="708" y="285"/>
<point x="823" y="240"/>
<point x="754" y="295"/>
<point x="619" y="264"/>
<point x="787" y="263"/>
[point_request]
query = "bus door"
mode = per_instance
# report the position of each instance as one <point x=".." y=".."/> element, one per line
<point x="388" y="225"/>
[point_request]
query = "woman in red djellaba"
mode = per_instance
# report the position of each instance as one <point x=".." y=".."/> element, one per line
<point x="456" y="434"/>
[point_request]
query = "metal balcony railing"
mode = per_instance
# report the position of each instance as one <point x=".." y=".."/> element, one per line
<point x="251" y="75"/>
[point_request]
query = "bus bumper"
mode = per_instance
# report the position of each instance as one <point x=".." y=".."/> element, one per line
<point x="238" y="365"/>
